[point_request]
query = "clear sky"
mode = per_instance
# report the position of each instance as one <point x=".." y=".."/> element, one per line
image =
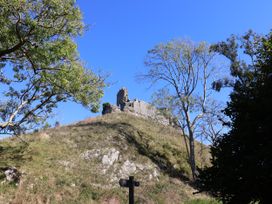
<point x="121" y="31"/>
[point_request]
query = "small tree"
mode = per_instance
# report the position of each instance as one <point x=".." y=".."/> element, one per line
<point x="185" y="69"/>
<point x="242" y="159"/>
<point x="39" y="64"/>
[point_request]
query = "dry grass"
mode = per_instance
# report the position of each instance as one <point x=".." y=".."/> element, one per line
<point x="53" y="171"/>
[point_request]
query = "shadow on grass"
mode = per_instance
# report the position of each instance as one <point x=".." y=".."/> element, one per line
<point x="156" y="156"/>
<point x="140" y="140"/>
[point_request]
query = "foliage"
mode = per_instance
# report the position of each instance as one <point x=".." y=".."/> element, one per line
<point x="242" y="159"/>
<point x="202" y="201"/>
<point x="39" y="63"/>
<point x="106" y="105"/>
<point x="186" y="71"/>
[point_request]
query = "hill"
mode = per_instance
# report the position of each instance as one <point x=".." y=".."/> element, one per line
<point x="83" y="162"/>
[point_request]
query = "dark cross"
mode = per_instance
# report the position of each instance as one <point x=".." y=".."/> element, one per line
<point x="130" y="184"/>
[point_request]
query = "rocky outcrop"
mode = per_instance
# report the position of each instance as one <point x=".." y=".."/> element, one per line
<point x="12" y="174"/>
<point x="111" y="157"/>
<point x="115" y="165"/>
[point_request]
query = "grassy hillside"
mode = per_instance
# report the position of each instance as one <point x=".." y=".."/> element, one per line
<point x="83" y="162"/>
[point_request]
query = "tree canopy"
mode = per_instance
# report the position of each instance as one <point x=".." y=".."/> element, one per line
<point x="185" y="70"/>
<point x="39" y="63"/>
<point x="241" y="170"/>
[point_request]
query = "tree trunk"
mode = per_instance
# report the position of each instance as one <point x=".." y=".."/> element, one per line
<point x="192" y="154"/>
<point x="191" y="143"/>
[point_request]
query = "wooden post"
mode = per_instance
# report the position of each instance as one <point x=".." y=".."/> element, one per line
<point x="130" y="184"/>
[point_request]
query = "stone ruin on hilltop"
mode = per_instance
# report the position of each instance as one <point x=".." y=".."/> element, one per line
<point x="138" y="108"/>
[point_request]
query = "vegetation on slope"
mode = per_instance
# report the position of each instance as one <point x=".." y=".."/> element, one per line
<point x="65" y="164"/>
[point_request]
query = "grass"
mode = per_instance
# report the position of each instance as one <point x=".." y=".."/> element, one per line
<point x="203" y="201"/>
<point x="54" y="172"/>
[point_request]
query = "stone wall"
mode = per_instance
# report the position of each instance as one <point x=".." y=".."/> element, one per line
<point x="137" y="107"/>
<point x="122" y="98"/>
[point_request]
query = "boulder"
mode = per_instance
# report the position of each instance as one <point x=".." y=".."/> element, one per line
<point x="127" y="169"/>
<point x="12" y="174"/>
<point x="109" y="158"/>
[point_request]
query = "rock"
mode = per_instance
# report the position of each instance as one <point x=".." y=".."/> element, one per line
<point x="114" y="179"/>
<point x="140" y="166"/>
<point x="90" y="154"/>
<point x="12" y="174"/>
<point x="68" y="165"/>
<point x="127" y="169"/>
<point x="111" y="157"/>
<point x="112" y="200"/>
<point x="175" y="181"/>
<point x="156" y="174"/>
<point x="64" y="163"/>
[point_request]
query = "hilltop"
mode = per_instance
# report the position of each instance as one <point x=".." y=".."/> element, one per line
<point x="83" y="162"/>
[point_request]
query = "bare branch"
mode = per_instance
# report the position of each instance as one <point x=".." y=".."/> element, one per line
<point x="186" y="68"/>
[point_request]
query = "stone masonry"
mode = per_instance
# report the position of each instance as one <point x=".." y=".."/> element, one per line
<point x="138" y="108"/>
<point x="122" y="98"/>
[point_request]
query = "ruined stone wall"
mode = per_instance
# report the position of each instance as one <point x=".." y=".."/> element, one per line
<point x="122" y="98"/>
<point x="146" y="110"/>
<point x="143" y="108"/>
<point x="136" y="107"/>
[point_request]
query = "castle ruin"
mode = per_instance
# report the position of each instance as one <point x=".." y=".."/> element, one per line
<point x="137" y="107"/>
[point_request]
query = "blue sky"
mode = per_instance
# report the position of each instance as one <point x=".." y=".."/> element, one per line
<point x="122" y="31"/>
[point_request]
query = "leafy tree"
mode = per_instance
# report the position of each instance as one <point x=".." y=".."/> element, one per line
<point x="185" y="70"/>
<point x="241" y="170"/>
<point x="39" y="63"/>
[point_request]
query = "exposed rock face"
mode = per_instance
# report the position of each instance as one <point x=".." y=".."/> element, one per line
<point x="138" y="108"/>
<point x="127" y="168"/>
<point x="90" y="154"/>
<point x="115" y="165"/>
<point x="111" y="157"/>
